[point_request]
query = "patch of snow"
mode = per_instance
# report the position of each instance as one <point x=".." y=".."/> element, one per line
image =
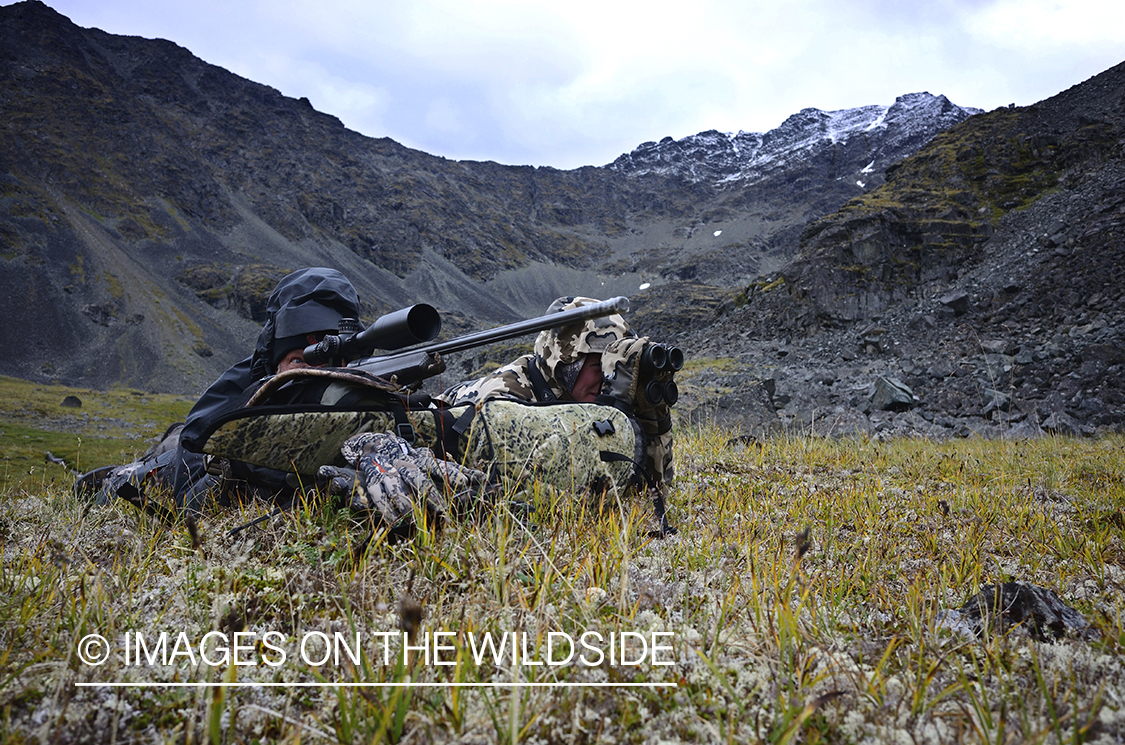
<point x="645" y="286"/>
<point x="718" y="233"/>
<point x="860" y="184"/>
<point x="869" y="167"/>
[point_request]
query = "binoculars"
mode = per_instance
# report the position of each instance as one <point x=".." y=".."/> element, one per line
<point x="657" y="359"/>
<point x="666" y="391"/>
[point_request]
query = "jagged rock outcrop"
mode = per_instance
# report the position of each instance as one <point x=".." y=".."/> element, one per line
<point x="1025" y="336"/>
<point x="939" y="206"/>
<point x="856" y="144"/>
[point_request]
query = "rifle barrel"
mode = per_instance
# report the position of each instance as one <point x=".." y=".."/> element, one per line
<point x="618" y="304"/>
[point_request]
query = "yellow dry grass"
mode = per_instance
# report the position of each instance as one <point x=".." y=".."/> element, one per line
<point x="800" y="599"/>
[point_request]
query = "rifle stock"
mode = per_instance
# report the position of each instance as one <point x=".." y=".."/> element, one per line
<point x="412" y="365"/>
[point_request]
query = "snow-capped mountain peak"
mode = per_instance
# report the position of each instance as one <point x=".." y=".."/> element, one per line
<point x="868" y="137"/>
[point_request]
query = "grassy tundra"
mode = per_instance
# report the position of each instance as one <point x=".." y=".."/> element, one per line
<point x="798" y="603"/>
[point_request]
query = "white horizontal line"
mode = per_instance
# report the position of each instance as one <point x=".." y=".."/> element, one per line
<point x="116" y="684"/>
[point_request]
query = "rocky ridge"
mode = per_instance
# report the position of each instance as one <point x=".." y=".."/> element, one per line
<point x="983" y="299"/>
<point x="860" y="143"/>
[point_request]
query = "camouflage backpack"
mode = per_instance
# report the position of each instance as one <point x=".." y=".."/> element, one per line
<point x="570" y="446"/>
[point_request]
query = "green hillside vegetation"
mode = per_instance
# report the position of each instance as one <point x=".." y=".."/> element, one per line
<point x="109" y="427"/>
<point x="801" y="594"/>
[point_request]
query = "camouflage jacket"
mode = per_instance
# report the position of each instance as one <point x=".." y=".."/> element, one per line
<point x="513" y="380"/>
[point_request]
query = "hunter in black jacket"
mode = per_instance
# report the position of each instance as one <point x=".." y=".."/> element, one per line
<point x="303" y="307"/>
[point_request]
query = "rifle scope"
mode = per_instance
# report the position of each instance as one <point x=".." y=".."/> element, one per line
<point x="413" y="325"/>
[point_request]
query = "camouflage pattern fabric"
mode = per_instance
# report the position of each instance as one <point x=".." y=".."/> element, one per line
<point x="621" y="366"/>
<point x="302" y="441"/>
<point x="562" y="346"/>
<point x="575" y="447"/>
<point x="513" y="440"/>
<point x="554" y="349"/>
<point x="391" y="477"/>
<point x="510" y="381"/>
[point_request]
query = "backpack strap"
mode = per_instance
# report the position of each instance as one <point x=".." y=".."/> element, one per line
<point x="539" y="385"/>
<point x="396" y="404"/>
<point x="359" y="378"/>
<point x="451" y="427"/>
<point x="403" y="426"/>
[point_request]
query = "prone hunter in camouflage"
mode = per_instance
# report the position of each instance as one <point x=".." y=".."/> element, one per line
<point x="551" y="372"/>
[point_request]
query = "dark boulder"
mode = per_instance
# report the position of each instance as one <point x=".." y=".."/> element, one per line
<point x="1016" y="604"/>
<point x="957" y="301"/>
<point x="890" y="394"/>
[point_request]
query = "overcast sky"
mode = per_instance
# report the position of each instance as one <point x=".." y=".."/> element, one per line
<point x="578" y="82"/>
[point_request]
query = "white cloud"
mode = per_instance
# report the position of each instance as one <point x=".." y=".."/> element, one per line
<point x="443" y="116"/>
<point x="1030" y="24"/>
<point x="567" y="84"/>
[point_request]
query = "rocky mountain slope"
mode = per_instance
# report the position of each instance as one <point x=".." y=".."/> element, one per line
<point x="148" y="201"/>
<point x="984" y="278"/>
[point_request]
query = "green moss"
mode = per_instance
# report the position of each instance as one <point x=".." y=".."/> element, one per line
<point x="113" y="286"/>
<point x="765" y="287"/>
<point x="191" y="326"/>
<point x="938" y="203"/>
<point x="78" y="269"/>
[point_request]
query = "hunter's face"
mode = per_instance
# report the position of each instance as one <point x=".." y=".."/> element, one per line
<point x="292" y="361"/>
<point x="589" y="382"/>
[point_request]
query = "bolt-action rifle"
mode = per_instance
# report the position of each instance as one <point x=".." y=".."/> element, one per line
<point x="421" y="323"/>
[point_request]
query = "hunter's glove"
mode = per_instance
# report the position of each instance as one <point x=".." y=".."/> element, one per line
<point x="391" y="477"/>
<point x="461" y="485"/>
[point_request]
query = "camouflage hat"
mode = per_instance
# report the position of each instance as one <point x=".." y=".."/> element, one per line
<point x="562" y="346"/>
